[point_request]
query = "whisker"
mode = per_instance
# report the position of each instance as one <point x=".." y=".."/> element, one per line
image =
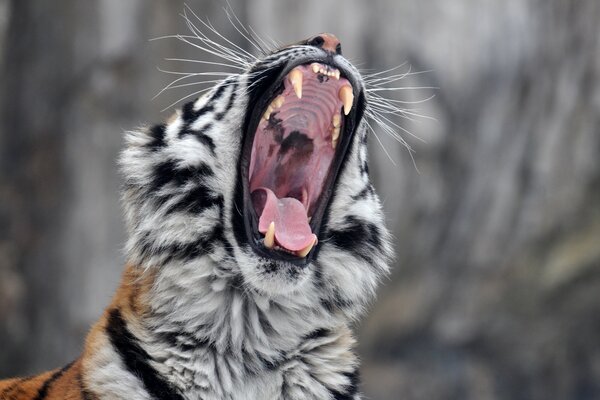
<point x="192" y="84"/>
<point x="204" y="62"/>
<point x="186" y="97"/>
<point x="393" y="89"/>
<point x="401" y="128"/>
<point x="211" y="28"/>
<point x="381" y="144"/>
<point x="376" y="96"/>
<point x="245" y="34"/>
<point x="368" y="75"/>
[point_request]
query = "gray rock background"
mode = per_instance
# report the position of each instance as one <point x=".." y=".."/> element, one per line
<point x="496" y="292"/>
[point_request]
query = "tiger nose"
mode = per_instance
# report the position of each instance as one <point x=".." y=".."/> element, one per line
<point x="326" y="41"/>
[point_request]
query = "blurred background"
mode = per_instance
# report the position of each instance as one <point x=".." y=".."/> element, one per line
<point x="496" y="291"/>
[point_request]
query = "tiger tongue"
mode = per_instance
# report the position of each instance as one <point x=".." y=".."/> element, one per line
<point x="292" y="231"/>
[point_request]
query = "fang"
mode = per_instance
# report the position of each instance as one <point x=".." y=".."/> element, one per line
<point x="347" y="98"/>
<point x="296" y="81"/>
<point x="270" y="236"/>
<point x="304" y="252"/>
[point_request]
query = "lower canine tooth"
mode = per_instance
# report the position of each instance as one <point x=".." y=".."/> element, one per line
<point x="270" y="236"/>
<point x="296" y="81"/>
<point x="347" y="98"/>
<point x="304" y="252"/>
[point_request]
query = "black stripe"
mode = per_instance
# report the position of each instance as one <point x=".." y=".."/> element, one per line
<point x="10" y="388"/>
<point x="219" y="92"/>
<point x="196" y="201"/>
<point x="168" y="171"/>
<point x="157" y="133"/>
<point x="43" y="391"/>
<point x="183" y="341"/>
<point x="200" y="247"/>
<point x="316" y="334"/>
<point x="136" y="359"/>
<point x="229" y="104"/>
<point x="201" y="136"/>
<point x="350" y="390"/>
<point x="364" y="169"/>
<point x="368" y="190"/>
<point x="356" y="237"/>
<point x="189" y="114"/>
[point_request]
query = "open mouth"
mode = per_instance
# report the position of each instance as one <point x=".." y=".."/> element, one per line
<point x="294" y="150"/>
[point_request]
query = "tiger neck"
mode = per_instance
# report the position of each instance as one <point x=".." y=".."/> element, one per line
<point x="182" y="308"/>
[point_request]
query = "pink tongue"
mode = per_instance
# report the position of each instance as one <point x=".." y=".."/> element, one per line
<point x="292" y="231"/>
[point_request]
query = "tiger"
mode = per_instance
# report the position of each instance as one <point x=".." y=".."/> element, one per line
<point x="255" y="240"/>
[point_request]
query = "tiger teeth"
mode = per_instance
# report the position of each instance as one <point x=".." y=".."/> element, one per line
<point x="325" y="70"/>
<point x="296" y="81"/>
<point x="304" y="252"/>
<point x="336" y="121"/>
<point x="267" y="113"/>
<point x="347" y="98"/>
<point x="278" y="101"/>
<point x="270" y="236"/>
<point x="335" y="134"/>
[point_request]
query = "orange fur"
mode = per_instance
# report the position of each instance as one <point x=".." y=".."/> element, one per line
<point x="69" y="383"/>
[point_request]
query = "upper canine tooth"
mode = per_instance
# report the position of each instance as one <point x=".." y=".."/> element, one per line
<point x="336" y="74"/>
<point x="296" y="81"/>
<point x="270" y="236"/>
<point x="304" y="252"/>
<point x="347" y="98"/>
<point x="315" y="67"/>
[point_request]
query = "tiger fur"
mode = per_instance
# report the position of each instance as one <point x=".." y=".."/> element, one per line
<point x="199" y="314"/>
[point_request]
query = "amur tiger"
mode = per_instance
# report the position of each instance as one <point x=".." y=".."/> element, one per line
<point x="255" y="239"/>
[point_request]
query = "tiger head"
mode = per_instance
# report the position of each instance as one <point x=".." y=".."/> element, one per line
<point x="262" y="185"/>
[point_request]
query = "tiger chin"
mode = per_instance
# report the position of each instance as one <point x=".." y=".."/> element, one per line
<point x="255" y="239"/>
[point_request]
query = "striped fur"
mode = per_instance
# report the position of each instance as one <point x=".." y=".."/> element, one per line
<point x="198" y="314"/>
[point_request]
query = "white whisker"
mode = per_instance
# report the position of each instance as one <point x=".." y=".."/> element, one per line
<point x="381" y="144"/>
<point x="186" y="97"/>
<point x="392" y="89"/>
<point x="204" y="62"/>
<point x="212" y="29"/>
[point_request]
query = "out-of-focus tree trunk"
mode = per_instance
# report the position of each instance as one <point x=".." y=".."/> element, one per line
<point x="497" y="294"/>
